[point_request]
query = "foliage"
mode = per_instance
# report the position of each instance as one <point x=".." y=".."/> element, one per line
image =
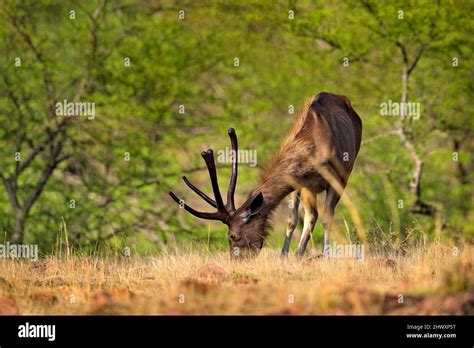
<point x="113" y="172"/>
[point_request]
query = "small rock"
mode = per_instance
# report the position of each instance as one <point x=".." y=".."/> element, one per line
<point x="212" y="271"/>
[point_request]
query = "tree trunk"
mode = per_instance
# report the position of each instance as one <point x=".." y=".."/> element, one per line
<point x="462" y="172"/>
<point x="19" y="229"/>
<point x="418" y="207"/>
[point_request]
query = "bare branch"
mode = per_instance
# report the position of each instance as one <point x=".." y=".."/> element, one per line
<point x="47" y="80"/>
<point x="417" y="58"/>
<point x="47" y="172"/>
<point x="381" y="136"/>
<point x="94" y="44"/>
<point x="11" y="191"/>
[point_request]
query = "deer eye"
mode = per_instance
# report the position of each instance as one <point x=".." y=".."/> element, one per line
<point x="234" y="237"/>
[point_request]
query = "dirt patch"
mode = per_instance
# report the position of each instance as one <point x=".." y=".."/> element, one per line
<point x="459" y="304"/>
<point x="44" y="299"/>
<point x="8" y="306"/>
<point x="110" y="302"/>
<point x="196" y="285"/>
<point x="5" y="287"/>
<point x="244" y="279"/>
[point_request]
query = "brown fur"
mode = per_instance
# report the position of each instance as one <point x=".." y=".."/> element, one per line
<point x="325" y="130"/>
<point x="317" y="154"/>
<point x="289" y="139"/>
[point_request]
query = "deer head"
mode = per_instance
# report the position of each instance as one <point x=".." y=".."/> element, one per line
<point x="247" y="223"/>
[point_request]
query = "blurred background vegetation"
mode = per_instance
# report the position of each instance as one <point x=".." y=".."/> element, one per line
<point x="169" y="77"/>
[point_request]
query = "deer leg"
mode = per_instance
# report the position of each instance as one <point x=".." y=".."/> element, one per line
<point x="294" y="203"/>
<point x="332" y="198"/>
<point x="310" y="218"/>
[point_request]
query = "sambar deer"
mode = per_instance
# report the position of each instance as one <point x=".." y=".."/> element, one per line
<point x="317" y="155"/>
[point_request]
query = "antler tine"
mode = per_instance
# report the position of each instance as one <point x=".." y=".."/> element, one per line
<point x="219" y="215"/>
<point x="200" y="193"/>
<point x="211" y="166"/>
<point x="233" y="179"/>
<point x="223" y="211"/>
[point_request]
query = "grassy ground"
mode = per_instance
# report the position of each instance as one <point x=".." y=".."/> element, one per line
<point x="431" y="280"/>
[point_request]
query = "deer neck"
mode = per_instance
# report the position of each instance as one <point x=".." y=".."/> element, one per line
<point x="274" y="187"/>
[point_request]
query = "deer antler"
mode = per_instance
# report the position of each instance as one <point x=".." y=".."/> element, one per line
<point x="223" y="212"/>
<point x="233" y="179"/>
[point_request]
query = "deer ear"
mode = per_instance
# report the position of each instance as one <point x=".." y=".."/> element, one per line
<point x="255" y="204"/>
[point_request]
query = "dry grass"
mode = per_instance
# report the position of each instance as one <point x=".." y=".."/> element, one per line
<point x="431" y="281"/>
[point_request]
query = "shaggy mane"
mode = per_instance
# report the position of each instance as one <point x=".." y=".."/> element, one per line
<point x="298" y="123"/>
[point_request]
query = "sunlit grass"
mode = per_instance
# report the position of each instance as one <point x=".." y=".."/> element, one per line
<point x="179" y="282"/>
